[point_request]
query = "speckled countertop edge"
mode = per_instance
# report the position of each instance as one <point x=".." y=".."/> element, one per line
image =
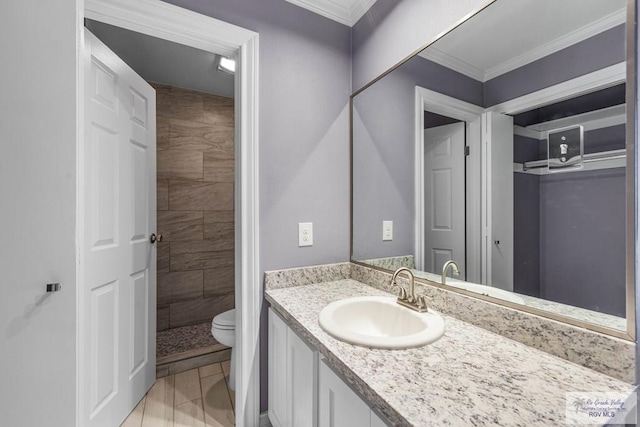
<point x="498" y="369"/>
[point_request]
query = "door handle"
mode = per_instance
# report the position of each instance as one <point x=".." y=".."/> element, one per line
<point x="153" y="238"/>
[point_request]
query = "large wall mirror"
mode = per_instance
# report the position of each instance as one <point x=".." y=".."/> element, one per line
<point x="503" y="146"/>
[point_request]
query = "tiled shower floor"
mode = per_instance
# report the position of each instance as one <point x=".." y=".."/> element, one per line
<point x="184" y="339"/>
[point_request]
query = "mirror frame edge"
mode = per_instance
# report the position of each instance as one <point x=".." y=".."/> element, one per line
<point x="631" y="190"/>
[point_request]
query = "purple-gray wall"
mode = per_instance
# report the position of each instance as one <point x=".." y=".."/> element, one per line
<point x="383" y="158"/>
<point x="305" y="69"/>
<point x="566" y="64"/>
<point x="582" y="239"/>
<point x="550" y="214"/>
<point x="392" y="30"/>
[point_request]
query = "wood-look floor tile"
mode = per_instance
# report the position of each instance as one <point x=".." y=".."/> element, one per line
<point x="180" y="164"/>
<point x="180" y="225"/>
<point x="164" y="251"/>
<point x="188" y="135"/>
<point x="226" y="369"/>
<point x="179" y="286"/>
<point x="187" y="386"/>
<point x="200" y="196"/>
<point x="207" y="371"/>
<point x="135" y="417"/>
<point x="219" y="281"/>
<point x="158" y="410"/>
<point x="202" y="260"/>
<point x="216" y="170"/>
<point x="190" y="414"/>
<point x="218" y="411"/>
<point x="163" y="195"/>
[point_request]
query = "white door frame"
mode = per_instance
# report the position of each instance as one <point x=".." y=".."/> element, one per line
<point x="436" y="102"/>
<point x="168" y="22"/>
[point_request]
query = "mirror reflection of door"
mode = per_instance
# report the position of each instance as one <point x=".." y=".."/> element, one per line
<point x="444" y="171"/>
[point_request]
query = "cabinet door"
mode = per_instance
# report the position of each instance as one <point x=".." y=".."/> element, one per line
<point x="339" y="406"/>
<point x="277" y="371"/>
<point x="302" y="378"/>
<point x="376" y="421"/>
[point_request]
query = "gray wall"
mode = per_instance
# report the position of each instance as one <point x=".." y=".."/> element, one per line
<point x="392" y="30"/>
<point x="38" y="213"/>
<point x="550" y="214"/>
<point x="383" y="158"/>
<point x="305" y="68"/>
<point x="600" y="51"/>
<point x="582" y="240"/>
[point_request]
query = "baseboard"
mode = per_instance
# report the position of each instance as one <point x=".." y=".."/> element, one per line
<point x="264" y="420"/>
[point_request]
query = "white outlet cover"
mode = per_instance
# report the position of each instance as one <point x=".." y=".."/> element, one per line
<point x="305" y="234"/>
<point x="387" y="230"/>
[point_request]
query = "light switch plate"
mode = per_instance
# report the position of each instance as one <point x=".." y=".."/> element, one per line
<point x="305" y="234"/>
<point x="387" y="230"/>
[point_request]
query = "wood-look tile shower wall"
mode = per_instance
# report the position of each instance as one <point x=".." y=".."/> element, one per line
<point x="195" y="206"/>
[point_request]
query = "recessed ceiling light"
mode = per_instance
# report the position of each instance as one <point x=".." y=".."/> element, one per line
<point x="227" y="65"/>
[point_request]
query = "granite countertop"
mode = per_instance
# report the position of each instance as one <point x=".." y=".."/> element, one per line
<point x="469" y="377"/>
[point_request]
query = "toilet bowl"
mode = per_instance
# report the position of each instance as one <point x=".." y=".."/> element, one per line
<point x="223" y="329"/>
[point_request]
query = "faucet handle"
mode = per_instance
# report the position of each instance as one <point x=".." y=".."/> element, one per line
<point x="402" y="292"/>
<point x="421" y="302"/>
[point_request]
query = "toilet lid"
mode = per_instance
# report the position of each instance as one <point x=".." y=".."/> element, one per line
<point x="226" y="319"/>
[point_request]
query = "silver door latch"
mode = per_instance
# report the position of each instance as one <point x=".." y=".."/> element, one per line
<point x="53" y="287"/>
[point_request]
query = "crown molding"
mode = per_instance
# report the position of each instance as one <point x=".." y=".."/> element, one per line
<point x="596" y="27"/>
<point x="336" y="11"/>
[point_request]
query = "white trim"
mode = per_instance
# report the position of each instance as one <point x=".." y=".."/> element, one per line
<point x="336" y="11"/>
<point x="527" y="132"/>
<point x="168" y="22"/>
<point x="596" y="27"/>
<point x="592" y="120"/>
<point x="600" y="79"/>
<point x="438" y="103"/>
<point x="603" y="118"/>
<point x="454" y="63"/>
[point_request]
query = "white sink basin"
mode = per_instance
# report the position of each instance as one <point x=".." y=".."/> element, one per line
<point x="380" y="322"/>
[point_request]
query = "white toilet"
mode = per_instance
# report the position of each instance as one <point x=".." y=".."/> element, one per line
<point x="223" y="329"/>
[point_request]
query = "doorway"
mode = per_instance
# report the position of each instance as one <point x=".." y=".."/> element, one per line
<point x="178" y="25"/>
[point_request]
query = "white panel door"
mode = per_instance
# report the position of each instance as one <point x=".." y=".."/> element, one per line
<point x="118" y="295"/>
<point x="498" y="236"/>
<point x="444" y="199"/>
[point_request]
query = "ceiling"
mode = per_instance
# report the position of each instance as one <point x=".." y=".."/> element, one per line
<point x="509" y="34"/>
<point x="165" y="62"/>
<point x="347" y="12"/>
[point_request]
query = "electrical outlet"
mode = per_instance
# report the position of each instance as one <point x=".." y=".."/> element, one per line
<point x="305" y="234"/>
<point x="387" y="230"/>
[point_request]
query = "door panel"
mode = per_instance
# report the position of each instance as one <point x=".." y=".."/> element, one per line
<point x="444" y="166"/>
<point x="119" y="263"/>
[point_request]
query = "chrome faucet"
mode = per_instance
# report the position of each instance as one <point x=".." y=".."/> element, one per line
<point x="454" y="266"/>
<point x="409" y="299"/>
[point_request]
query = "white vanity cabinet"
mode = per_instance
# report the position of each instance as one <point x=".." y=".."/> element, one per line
<point x="304" y="391"/>
<point x="293" y="377"/>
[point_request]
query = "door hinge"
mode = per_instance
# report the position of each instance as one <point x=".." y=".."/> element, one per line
<point x="466" y="150"/>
